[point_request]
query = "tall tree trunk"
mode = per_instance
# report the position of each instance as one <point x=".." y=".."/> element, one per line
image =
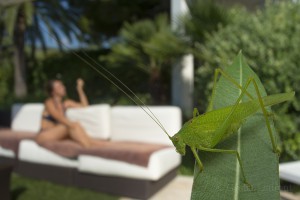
<point x="20" y="85"/>
<point x="156" y="89"/>
<point x="1" y="34"/>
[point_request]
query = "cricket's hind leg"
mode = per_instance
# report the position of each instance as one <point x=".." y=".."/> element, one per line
<point x="229" y="78"/>
<point x="266" y="116"/>
<point x="229" y="152"/>
<point x="265" y="112"/>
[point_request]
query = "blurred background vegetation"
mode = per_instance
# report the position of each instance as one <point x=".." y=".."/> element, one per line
<point x="134" y="41"/>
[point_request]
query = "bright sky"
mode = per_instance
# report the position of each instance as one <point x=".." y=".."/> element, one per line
<point x="52" y="43"/>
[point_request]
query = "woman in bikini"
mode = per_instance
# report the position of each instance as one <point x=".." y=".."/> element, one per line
<point x="55" y="126"/>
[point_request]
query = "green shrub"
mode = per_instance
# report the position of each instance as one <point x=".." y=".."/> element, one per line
<point x="270" y="41"/>
<point x="68" y="67"/>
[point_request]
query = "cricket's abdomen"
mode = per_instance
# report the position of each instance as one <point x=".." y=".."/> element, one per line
<point x="201" y="130"/>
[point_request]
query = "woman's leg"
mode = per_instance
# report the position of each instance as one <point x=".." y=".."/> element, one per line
<point x="78" y="134"/>
<point x="55" y="133"/>
<point x="60" y="132"/>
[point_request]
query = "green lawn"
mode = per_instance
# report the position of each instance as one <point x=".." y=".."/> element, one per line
<point x="29" y="189"/>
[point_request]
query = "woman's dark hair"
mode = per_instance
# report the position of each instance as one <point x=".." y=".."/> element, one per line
<point x="49" y="86"/>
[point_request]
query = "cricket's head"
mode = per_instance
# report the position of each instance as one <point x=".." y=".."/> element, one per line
<point x="178" y="143"/>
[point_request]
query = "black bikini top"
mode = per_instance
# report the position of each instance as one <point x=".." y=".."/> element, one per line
<point x="50" y="117"/>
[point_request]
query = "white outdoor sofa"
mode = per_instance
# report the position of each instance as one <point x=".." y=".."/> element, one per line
<point x="124" y="125"/>
<point x="290" y="172"/>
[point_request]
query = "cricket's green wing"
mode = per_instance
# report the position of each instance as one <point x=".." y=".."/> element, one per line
<point x="221" y="177"/>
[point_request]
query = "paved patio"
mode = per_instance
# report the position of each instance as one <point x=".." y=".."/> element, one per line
<point x="178" y="189"/>
<point x="289" y="196"/>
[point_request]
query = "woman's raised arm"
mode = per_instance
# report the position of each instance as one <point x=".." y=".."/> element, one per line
<point x="82" y="97"/>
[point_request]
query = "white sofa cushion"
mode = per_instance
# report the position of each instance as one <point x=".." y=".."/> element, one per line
<point x="30" y="151"/>
<point x="28" y="118"/>
<point x="131" y="123"/>
<point x="7" y="153"/>
<point x="94" y="119"/>
<point x="290" y="171"/>
<point x="160" y="163"/>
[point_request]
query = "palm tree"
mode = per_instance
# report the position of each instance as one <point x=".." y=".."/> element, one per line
<point x="26" y="22"/>
<point x="151" y="46"/>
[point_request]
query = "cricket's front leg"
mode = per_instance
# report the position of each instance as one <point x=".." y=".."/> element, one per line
<point x="234" y="152"/>
<point x="200" y="165"/>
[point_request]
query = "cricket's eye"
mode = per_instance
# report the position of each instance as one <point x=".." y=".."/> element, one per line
<point x="176" y="138"/>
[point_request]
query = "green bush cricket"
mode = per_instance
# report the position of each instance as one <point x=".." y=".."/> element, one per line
<point x="204" y="132"/>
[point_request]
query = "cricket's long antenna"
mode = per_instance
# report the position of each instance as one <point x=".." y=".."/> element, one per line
<point x="106" y="77"/>
<point x="150" y="113"/>
<point x="117" y="79"/>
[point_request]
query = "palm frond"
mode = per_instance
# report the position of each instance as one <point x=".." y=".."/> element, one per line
<point x="52" y="32"/>
<point x="39" y="33"/>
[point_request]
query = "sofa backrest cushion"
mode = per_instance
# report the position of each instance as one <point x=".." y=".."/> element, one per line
<point x="131" y="123"/>
<point x="28" y="117"/>
<point x="95" y="119"/>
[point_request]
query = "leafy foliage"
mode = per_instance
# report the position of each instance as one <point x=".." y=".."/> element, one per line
<point x="204" y="17"/>
<point x="269" y="40"/>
